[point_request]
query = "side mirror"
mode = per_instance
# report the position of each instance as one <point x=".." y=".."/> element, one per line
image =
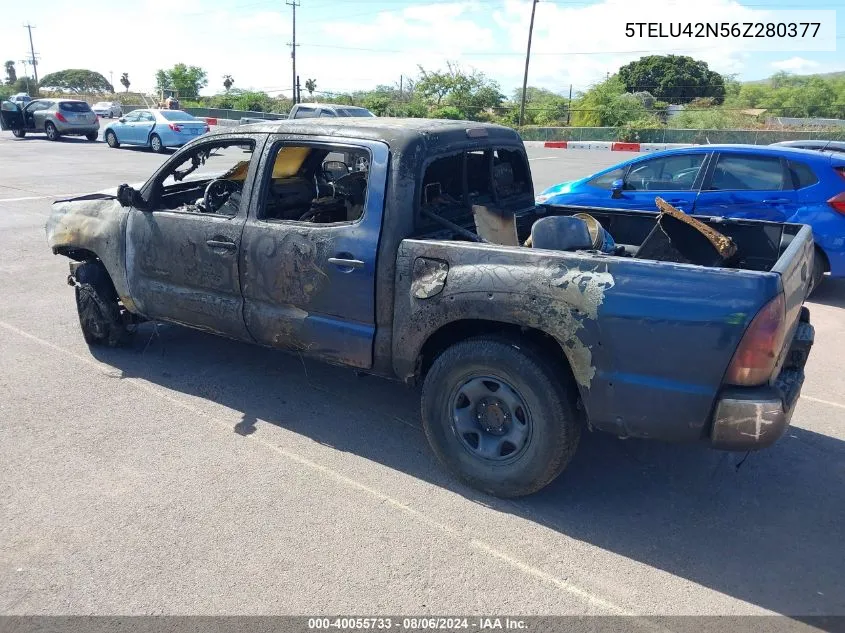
<point x="122" y="120"/>
<point x="616" y="188"/>
<point x="129" y="197"/>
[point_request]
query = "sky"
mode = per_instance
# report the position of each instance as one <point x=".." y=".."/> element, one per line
<point x="358" y="44"/>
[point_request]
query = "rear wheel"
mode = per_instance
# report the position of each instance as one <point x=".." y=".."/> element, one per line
<point x="51" y="131"/>
<point x="111" y="139"/>
<point x="19" y="133"/>
<point x="500" y="417"/>
<point x="92" y="136"/>
<point x="155" y="144"/>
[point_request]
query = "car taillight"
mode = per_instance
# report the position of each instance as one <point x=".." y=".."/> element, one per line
<point x="838" y="202"/>
<point x="755" y="358"/>
<point x="174" y="127"/>
<point x="61" y="117"/>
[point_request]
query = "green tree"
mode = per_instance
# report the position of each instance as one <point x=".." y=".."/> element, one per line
<point x="673" y="78"/>
<point x="310" y="86"/>
<point x="27" y="85"/>
<point x="471" y="93"/>
<point x="186" y="80"/>
<point x="607" y="104"/>
<point x="124" y="79"/>
<point x="11" y="73"/>
<point x="77" y="80"/>
<point x="227" y="82"/>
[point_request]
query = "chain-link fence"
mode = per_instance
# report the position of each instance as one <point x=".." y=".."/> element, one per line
<point x="669" y="135"/>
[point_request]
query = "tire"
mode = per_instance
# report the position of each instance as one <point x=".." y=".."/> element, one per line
<point x="818" y="272"/>
<point x="155" y="144"/>
<point x="542" y="412"/>
<point x="111" y="139"/>
<point x="19" y="133"/>
<point x="99" y="311"/>
<point x="92" y="136"/>
<point x="51" y="131"/>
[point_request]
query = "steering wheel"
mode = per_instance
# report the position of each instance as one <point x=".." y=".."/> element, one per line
<point x="352" y="184"/>
<point x="217" y="192"/>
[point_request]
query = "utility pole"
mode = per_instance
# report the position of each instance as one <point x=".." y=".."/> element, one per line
<point x="295" y="95"/>
<point x="527" y="57"/>
<point x="111" y="80"/>
<point x="569" y="105"/>
<point x="33" y="61"/>
<point x="298" y="91"/>
<point x="401" y="80"/>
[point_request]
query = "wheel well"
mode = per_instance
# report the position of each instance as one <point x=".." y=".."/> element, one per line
<point x="541" y="343"/>
<point x="821" y="254"/>
<point x="76" y="254"/>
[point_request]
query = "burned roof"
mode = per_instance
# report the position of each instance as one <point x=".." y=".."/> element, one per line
<point x="399" y="134"/>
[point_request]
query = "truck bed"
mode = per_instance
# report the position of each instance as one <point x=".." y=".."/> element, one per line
<point x="649" y="341"/>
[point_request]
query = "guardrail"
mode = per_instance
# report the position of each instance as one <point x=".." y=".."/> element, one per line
<point x="673" y="135"/>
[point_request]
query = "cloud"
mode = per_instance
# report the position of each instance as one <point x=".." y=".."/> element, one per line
<point x="795" y="64"/>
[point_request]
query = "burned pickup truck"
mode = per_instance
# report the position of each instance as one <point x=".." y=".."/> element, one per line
<point x="412" y="249"/>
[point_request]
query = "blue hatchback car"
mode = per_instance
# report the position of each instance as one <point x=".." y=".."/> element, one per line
<point x="736" y="181"/>
<point x="156" y="129"/>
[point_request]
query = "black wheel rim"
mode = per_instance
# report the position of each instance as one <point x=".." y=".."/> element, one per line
<point x="490" y="419"/>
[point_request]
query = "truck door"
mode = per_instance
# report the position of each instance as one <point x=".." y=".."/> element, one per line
<point x="11" y="117"/>
<point x="308" y="256"/>
<point x="748" y="185"/>
<point x="183" y="247"/>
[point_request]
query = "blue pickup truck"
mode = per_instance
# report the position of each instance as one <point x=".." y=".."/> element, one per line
<point x="359" y="242"/>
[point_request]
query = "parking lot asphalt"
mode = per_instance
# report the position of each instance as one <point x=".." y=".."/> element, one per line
<point x="191" y="474"/>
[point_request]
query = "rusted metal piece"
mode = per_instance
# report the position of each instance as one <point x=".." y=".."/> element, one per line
<point x="494" y="225"/>
<point x="724" y="245"/>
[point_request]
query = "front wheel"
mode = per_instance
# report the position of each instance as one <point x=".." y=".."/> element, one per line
<point x="111" y="139"/>
<point x="19" y="133"/>
<point x="51" y="131"/>
<point x="99" y="311"/>
<point x="500" y="417"/>
<point x="155" y="144"/>
<point x="92" y="136"/>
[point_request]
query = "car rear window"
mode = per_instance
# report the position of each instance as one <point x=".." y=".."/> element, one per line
<point x="802" y="175"/>
<point x="74" y="106"/>
<point x="177" y="115"/>
<point x="353" y="112"/>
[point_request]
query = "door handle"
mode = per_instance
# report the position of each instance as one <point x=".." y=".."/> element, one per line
<point x="776" y="201"/>
<point x="341" y="262"/>
<point x="229" y="246"/>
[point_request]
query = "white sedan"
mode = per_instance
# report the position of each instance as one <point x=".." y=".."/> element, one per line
<point x="108" y="109"/>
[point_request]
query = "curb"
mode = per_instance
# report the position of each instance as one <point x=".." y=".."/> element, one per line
<point x="615" y="146"/>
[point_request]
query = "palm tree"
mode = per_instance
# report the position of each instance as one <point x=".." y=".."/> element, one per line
<point x="310" y="86"/>
<point x="11" y="75"/>
<point x="227" y="82"/>
<point x="124" y="79"/>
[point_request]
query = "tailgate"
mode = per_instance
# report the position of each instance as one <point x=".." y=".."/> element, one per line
<point x="795" y="267"/>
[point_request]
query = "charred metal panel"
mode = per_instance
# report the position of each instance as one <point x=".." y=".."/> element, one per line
<point x="79" y="226"/>
<point x="295" y="298"/>
<point x="429" y="277"/>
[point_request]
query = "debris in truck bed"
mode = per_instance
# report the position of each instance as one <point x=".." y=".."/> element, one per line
<point x="678" y="237"/>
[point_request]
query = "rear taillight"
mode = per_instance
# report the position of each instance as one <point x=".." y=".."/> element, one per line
<point x="838" y="202"/>
<point x="61" y="117"/>
<point x="174" y="127"/>
<point x="755" y="359"/>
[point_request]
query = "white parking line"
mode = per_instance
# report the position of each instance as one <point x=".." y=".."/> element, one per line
<point x="827" y="402"/>
<point x="52" y="195"/>
<point x="545" y="158"/>
<point x="560" y="583"/>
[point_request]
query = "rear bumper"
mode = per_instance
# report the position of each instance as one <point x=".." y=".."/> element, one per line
<point x="69" y="128"/>
<point x="748" y="418"/>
